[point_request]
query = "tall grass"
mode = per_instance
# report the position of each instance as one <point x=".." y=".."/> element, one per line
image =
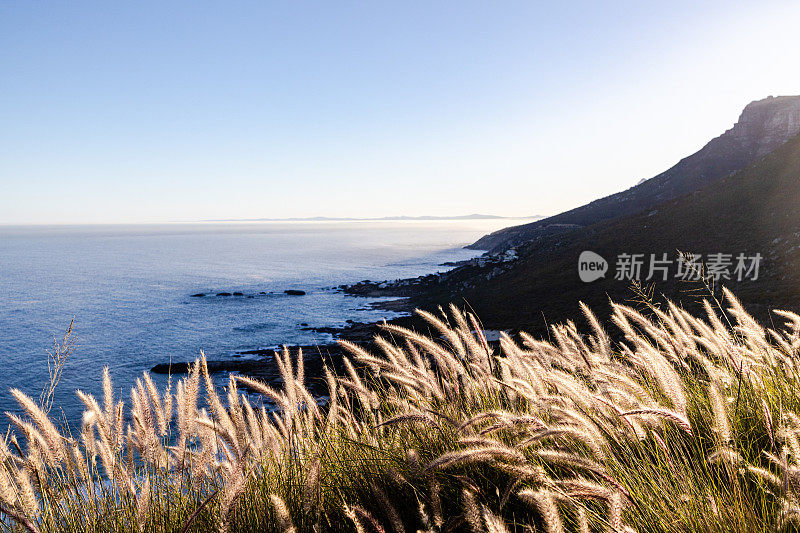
<point x="675" y="424"/>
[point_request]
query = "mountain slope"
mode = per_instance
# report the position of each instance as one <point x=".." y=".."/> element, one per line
<point x="754" y="211"/>
<point x="763" y="126"/>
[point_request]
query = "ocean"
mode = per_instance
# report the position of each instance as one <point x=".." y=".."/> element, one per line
<point x="129" y="289"/>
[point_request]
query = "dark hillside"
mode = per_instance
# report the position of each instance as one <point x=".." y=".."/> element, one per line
<point x="754" y="211"/>
<point x="763" y="126"/>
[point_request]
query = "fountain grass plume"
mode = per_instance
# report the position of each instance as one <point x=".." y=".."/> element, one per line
<point x="688" y="423"/>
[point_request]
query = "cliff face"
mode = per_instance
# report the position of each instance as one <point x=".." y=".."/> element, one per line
<point x="762" y="127"/>
<point x="766" y="124"/>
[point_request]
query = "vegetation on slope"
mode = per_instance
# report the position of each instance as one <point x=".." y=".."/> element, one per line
<point x="754" y="211"/>
<point x="689" y="424"/>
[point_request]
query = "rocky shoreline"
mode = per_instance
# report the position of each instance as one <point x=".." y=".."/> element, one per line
<point x="260" y="363"/>
<point x="264" y="367"/>
<point x="315" y="357"/>
<point x="398" y="297"/>
<point x="413" y="290"/>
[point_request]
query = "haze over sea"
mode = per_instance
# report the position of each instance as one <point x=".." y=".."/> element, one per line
<point x="129" y="289"/>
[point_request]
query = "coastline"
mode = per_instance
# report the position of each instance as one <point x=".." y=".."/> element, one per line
<point x="399" y="296"/>
<point x="260" y="362"/>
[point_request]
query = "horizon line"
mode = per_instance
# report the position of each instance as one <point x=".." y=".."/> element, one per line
<point x="393" y="218"/>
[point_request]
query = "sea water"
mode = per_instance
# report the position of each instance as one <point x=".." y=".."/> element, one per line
<point x="129" y="290"/>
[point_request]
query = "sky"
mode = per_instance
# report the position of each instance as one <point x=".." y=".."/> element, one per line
<point x="129" y="112"/>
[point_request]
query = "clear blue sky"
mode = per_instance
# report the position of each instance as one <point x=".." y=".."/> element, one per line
<point x="187" y="110"/>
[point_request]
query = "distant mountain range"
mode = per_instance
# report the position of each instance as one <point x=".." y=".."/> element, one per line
<point x="391" y="218"/>
<point x="739" y="196"/>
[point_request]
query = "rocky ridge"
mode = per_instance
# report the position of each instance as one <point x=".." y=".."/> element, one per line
<point x="763" y="126"/>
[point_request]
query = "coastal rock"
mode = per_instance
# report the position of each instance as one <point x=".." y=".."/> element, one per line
<point x="265" y="369"/>
<point x="354" y="331"/>
<point x="223" y="294"/>
<point x="294" y="292"/>
<point x="198" y="295"/>
<point x="250" y="366"/>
